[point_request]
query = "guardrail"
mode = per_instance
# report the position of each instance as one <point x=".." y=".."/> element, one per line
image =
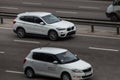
<point x="91" y="22"/>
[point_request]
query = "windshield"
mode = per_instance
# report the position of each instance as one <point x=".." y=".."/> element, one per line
<point x="49" y="19"/>
<point x="67" y="57"/>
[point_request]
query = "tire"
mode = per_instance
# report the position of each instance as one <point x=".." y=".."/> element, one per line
<point x="29" y="73"/>
<point x="21" y="33"/>
<point x="65" y="76"/>
<point x="53" y="35"/>
<point x="114" y="17"/>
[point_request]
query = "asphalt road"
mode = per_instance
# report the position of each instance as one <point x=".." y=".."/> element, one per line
<point x="92" y="9"/>
<point x="102" y="53"/>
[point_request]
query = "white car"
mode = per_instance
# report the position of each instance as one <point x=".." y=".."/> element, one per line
<point x="42" y="23"/>
<point x="56" y="62"/>
<point x="113" y="10"/>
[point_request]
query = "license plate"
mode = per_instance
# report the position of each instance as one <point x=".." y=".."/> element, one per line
<point x="88" y="73"/>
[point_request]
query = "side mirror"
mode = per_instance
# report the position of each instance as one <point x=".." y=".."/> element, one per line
<point x="55" y="62"/>
<point x="42" y="23"/>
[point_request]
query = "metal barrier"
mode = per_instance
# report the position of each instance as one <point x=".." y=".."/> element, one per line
<point x="91" y="22"/>
<point x="1" y="20"/>
<point x="94" y="23"/>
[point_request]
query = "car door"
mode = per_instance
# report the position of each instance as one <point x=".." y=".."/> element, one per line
<point x="50" y="68"/>
<point x="39" y="26"/>
<point x="27" y="23"/>
<point x="38" y="63"/>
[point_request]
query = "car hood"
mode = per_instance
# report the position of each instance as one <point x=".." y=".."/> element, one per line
<point x="80" y="64"/>
<point x="62" y="24"/>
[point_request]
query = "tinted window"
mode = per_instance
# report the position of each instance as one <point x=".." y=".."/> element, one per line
<point x="37" y="20"/>
<point x="44" y="57"/>
<point x="27" y="18"/>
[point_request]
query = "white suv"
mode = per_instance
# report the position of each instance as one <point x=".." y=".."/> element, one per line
<point x="42" y="23"/>
<point x="56" y="62"/>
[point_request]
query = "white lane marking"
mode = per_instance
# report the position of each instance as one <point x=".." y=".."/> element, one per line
<point x="89" y="7"/>
<point x="5" y="7"/>
<point x="98" y="36"/>
<point x="32" y="3"/>
<point x="1" y="52"/>
<point x="67" y="12"/>
<point x="5" y="28"/>
<point x="16" y="72"/>
<point x="104" y="49"/>
<point x="90" y="1"/>
<point x="25" y="41"/>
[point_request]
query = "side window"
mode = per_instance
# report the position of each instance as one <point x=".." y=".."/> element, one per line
<point x="37" y="20"/>
<point x="22" y="18"/>
<point x="43" y="57"/>
<point x="27" y="18"/>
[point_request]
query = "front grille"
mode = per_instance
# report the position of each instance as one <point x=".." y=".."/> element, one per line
<point x="70" y="28"/>
<point x="86" y="76"/>
<point x="87" y="70"/>
<point x="71" y="33"/>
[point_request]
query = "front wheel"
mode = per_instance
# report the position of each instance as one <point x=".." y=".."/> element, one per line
<point x="65" y="76"/>
<point x="53" y="35"/>
<point x="114" y="17"/>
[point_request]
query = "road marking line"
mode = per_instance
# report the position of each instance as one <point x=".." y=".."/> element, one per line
<point x="5" y="28"/>
<point x="67" y="12"/>
<point x="8" y="7"/>
<point x="1" y="52"/>
<point x="16" y="72"/>
<point x="104" y="49"/>
<point x="24" y="41"/>
<point x="88" y="7"/>
<point x="97" y="36"/>
<point x="90" y="1"/>
<point x="32" y="3"/>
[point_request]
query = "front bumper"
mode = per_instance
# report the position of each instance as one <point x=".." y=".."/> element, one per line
<point x="79" y="76"/>
<point x="67" y="34"/>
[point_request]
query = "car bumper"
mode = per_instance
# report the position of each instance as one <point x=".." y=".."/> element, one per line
<point x="67" y="34"/>
<point x="79" y="76"/>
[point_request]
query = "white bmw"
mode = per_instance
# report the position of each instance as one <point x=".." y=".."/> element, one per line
<point x="42" y="23"/>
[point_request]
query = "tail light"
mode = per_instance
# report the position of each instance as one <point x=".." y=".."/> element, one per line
<point x="14" y="22"/>
<point x="24" y="60"/>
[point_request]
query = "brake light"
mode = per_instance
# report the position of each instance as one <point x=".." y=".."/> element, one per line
<point x="14" y="22"/>
<point x="24" y="60"/>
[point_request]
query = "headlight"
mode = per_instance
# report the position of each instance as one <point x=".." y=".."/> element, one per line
<point x="60" y="29"/>
<point x="77" y="71"/>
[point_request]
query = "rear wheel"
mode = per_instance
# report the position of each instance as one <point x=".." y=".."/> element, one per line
<point x="53" y="35"/>
<point x="114" y="17"/>
<point x="65" y="76"/>
<point x="29" y="73"/>
<point x="21" y="33"/>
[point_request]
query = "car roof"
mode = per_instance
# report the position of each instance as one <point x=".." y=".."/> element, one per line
<point x="40" y="14"/>
<point x="49" y="50"/>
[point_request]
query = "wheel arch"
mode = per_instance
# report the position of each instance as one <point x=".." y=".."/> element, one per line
<point x="28" y="67"/>
<point x="52" y="30"/>
<point x="65" y="72"/>
<point x="19" y="27"/>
